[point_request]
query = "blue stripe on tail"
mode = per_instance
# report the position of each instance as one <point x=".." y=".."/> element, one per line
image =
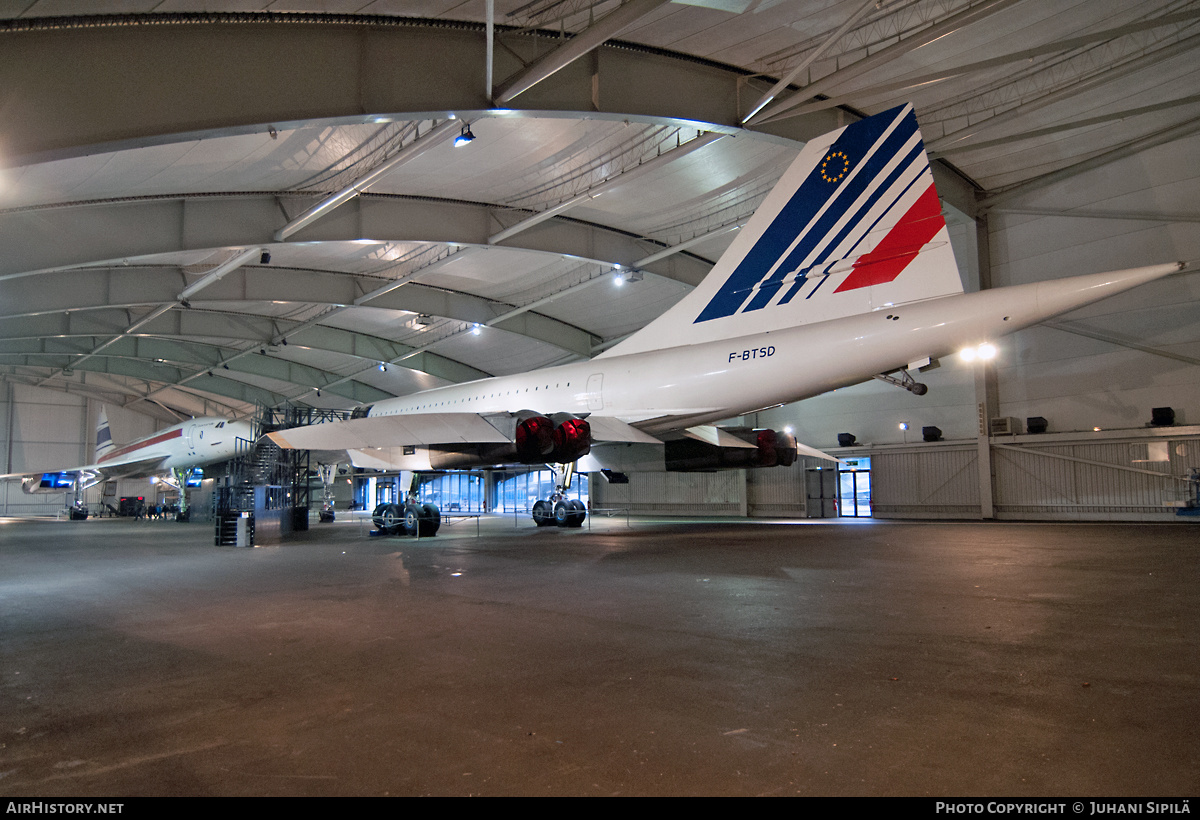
<point x="814" y="192"/>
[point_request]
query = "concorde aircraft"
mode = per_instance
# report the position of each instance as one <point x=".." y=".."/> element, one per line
<point x="848" y="254"/>
<point x="172" y="452"/>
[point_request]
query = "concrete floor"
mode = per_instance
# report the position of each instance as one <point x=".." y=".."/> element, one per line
<point x="677" y="658"/>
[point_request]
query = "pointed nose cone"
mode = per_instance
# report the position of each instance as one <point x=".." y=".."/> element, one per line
<point x="1061" y="295"/>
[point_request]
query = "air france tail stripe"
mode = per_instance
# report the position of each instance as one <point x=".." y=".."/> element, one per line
<point x="856" y="193"/>
<point x="891" y="256"/>
<point x="828" y="232"/>
<point x="803" y="223"/>
<point x="867" y="158"/>
<point x="856" y="229"/>
<point x="840" y="253"/>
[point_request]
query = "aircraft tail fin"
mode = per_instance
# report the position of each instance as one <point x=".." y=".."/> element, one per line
<point x="104" y="441"/>
<point x="854" y="225"/>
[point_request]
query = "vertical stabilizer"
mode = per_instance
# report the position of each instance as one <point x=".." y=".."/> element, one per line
<point x="854" y="225"/>
<point x="104" y="442"/>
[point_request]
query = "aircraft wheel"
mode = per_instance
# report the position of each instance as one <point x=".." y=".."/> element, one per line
<point x="543" y="515"/>
<point x="576" y="513"/>
<point x="412" y="519"/>
<point x="325" y="516"/>
<point x="386" y="518"/>
<point x="431" y="520"/>
<point x="562" y="514"/>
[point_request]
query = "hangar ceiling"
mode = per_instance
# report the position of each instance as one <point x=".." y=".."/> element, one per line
<point x="208" y="205"/>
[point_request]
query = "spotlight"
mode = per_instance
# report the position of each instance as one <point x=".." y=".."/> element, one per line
<point x="985" y="352"/>
<point x="475" y="331"/>
<point x="904" y="425"/>
<point x="382" y="367"/>
<point x="846" y="439"/>
<point x="464" y="137"/>
<point x="185" y="303"/>
<point x="265" y="259"/>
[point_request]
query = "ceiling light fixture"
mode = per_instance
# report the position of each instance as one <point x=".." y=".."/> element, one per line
<point x="464" y="137"/>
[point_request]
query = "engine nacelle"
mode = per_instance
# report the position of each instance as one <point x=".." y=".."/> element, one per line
<point x="775" y="449"/>
<point x="48" y="483"/>
<point x="534" y="438"/>
<point x="572" y="438"/>
<point x="771" y="449"/>
<point x="557" y="440"/>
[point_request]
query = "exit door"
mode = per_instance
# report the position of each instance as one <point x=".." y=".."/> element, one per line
<point x="854" y="492"/>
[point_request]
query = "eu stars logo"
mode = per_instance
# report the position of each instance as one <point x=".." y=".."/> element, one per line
<point x="835" y="166"/>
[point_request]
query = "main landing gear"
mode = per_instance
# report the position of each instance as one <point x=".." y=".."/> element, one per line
<point x="412" y="517"/>
<point x="558" y="510"/>
<point x="328" y="473"/>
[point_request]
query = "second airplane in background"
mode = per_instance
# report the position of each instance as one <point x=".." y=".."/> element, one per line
<point x="172" y="452"/>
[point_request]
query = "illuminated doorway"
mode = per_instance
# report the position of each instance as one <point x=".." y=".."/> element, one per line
<point x="854" y="488"/>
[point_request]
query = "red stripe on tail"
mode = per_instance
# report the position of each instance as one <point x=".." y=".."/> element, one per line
<point x="892" y="255"/>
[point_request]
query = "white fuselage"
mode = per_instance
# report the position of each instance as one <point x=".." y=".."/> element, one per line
<point x="193" y="443"/>
<point x="677" y="387"/>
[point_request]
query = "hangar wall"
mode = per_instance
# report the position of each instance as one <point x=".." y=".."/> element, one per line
<point x="1121" y="475"/>
<point x="1077" y="381"/>
<point x="44" y="429"/>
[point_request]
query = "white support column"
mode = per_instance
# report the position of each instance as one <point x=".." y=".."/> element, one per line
<point x="987" y="400"/>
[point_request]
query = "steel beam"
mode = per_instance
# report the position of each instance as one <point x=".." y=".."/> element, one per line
<point x="580" y="44"/>
<point x="414" y="149"/>
<point x="175" y="82"/>
<point x="133" y="288"/>
<point x="87" y="234"/>
<point x="1120" y="152"/>
<point x="1103" y="79"/>
<point x="913" y="42"/>
<point x="810" y="58"/>
<point x="1056" y="47"/>
<point x="608" y="184"/>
